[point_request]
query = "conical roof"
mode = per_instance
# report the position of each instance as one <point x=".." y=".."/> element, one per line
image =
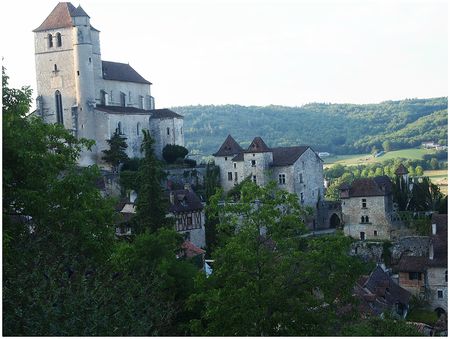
<point x="257" y="146"/>
<point x="229" y="147"/>
<point x="61" y="17"/>
<point x="401" y="170"/>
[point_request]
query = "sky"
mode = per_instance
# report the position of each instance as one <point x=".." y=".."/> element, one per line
<point x="251" y="52"/>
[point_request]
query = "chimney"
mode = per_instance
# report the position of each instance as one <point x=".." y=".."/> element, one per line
<point x="433" y="229"/>
<point x="171" y="197"/>
<point x="187" y="186"/>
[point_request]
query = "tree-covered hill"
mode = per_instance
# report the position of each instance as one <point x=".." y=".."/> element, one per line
<point x="336" y="128"/>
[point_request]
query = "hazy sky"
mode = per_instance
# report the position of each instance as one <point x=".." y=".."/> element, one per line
<point x="257" y="52"/>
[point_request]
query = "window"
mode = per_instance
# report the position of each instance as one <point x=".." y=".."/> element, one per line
<point x="141" y="102"/>
<point x="300" y="177"/>
<point x="226" y="158"/>
<point x="123" y="99"/>
<point x="138" y="128"/>
<point x="168" y="131"/>
<point x="189" y="220"/>
<point x="364" y="203"/>
<point x="234" y="164"/>
<point x="415" y="276"/>
<point x="375" y="233"/>
<point x="362" y="220"/>
<point x="59" y="108"/>
<point x="282" y="179"/>
<point x="230" y="176"/>
<point x="55" y="68"/>
<point x="103" y="97"/>
<point x="254" y="179"/>
<point x="253" y="163"/>
<point x="362" y="235"/>
<point x="49" y="41"/>
<point x="440" y="294"/>
<point x="235" y="176"/>
<point x="367" y="219"/>
<point x="302" y="198"/>
<point x="58" y="40"/>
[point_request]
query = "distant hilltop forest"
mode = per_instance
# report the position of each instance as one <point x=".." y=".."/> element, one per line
<point x="334" y="128"/>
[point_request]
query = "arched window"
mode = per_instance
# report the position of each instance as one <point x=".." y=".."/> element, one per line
<point x="138" y="128"/>
<point x="362" y="220"/>
<point x="367" y="218"/>
<point x="50" y="40"/>
<point x="59" y="108"/>
<point x="58" y="40"/>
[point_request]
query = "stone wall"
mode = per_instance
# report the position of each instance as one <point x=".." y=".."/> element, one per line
<point x="411" y="246"/>
<point x="368" y="251"/>
<point x="436" y="281"/>
<point x="261" y="168"/>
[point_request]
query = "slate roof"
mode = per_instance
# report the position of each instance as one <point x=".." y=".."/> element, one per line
<point x="401" y="170"/>
<point x="121" y="72"/>
<point x="239" y="157"/>
<point x="185" y="201"/>
<point x="61" y="17"/>
<point x="380" y="284"/>
<point x="257" y="146"/>
<point x="164" y="113"/>
<point x="229" y="147"/>
<point x="411" y="264"/>
<point x="284" y="156"/>
<point x="370" y="187"/>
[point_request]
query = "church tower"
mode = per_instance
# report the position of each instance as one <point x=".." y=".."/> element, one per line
<point x="67" y="55"/>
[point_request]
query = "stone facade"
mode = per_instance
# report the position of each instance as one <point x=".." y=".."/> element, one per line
<point x="91" y="97"/>
<point x="367" y="208"/>
<point x="298" y="170"/>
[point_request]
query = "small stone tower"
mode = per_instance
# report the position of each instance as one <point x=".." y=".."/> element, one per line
<point x="257" y="159"/>
<point x="402" y="172"/>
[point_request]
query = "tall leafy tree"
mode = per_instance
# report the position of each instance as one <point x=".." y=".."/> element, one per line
<point x="151" y="209"/>
<point x="116" y="154"/>
<point x="267" y="278"/>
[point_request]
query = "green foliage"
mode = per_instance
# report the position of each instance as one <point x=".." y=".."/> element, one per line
<point x="268" y="279"/>
<point x="116" y="154"/>
<point x="387" y="147"/>
<point x="171" y="153"/>
<point x="423" y="316"/>
<point x="378" y="327"/>
<point x="150" y="206"/>
<point x="332" y="193"/>
<point x="336" y="128"/>
<point x="211" y="186"/>
<point x="426" y="196"/>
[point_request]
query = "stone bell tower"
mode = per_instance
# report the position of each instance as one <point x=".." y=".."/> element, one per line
<point x="67" y="55"/>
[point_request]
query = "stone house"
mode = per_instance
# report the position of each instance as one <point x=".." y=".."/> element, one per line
<point x="367" y="208"/>
<point x="91" y="97"/>
<point x="428" y="275"/>
<point x="187" y="209"/>
<point x="298" y="169"/>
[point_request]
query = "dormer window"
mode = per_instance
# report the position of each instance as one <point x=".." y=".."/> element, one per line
<point x="58" y="40"/>
<point x="49" y="41"/>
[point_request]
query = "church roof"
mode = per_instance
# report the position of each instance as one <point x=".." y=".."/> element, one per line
<point x="121" y="72"/>
<point x="229" y="147"/>
<point x="401" y="170"/>
<point x="284" y="156"/>
<point x="164" y="113"/>
<point x="257" y="146"/>
<point x="61" y="17"/>
<point x="185" y="201"/>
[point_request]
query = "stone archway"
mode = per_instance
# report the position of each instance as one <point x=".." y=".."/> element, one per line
<point x="440" y="311"/>
<point x="335" y="221"/>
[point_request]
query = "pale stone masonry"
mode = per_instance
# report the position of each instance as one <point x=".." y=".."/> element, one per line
<point x="367" y="208"/>
<point x="91" y="97"/>
<point x="298" y="169"/>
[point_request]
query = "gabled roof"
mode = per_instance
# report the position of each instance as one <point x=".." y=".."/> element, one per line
<point x="371" y="187"/>
<point x="191" y="250"/>
<point x="185" y="201"/>
<point x="285" y="156"/>
<point x="121" y="72"/>
<point x="401" y="170"/>
<point x="411" y="264"/>
<point x="229" y="147"/>
<point x="61" y="17"/>
<point x="257" y="146"/>
<point x="164" y="113"/>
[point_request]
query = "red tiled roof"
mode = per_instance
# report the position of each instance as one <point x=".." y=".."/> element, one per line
<point x="61" y="17"/>
<point x="191" y="250"/>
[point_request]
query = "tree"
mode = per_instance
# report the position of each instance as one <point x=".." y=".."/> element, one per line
<point x="378" y="327"/>
<point x="387" y="146"/>
<point x="418" y="171"/>
<point x="267" y="278"/>
<point x="116" y="154"/>
<point x="333" y="192"/>
<point x="211" y="186"/>
<point x="171" y="153"/>
<point x="434" y="163"/>
<point x="150" y="207"/>
<point x="426" y="196"/>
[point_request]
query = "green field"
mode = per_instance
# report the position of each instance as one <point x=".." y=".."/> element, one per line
<point x="440" y="178"/>
<point x="361" y="159"/>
